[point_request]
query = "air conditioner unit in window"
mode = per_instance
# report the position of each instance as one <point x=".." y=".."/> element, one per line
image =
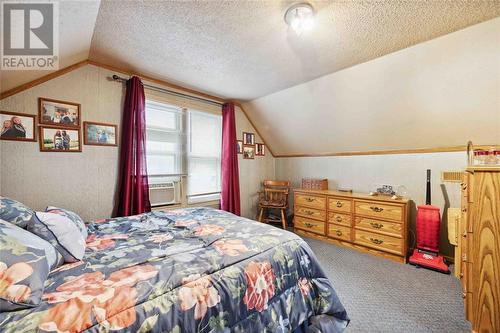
<point x="163" y="194"/>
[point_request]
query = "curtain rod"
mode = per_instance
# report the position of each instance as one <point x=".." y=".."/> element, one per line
<point x="170" y="92"/>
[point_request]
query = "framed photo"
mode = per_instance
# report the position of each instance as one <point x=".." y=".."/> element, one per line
<point x="248" y="138"/>
<point x="17" y="126"/>
<point x="58" y="113"/>
<point x="99" y="134"/>
<point x="249" y="152"/>
<point x="260" y="149"/>
<point x="239" y="146"/>
<point x="58" y="139"/>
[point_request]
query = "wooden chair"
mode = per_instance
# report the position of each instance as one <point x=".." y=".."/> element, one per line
<point x="274" y="196"/>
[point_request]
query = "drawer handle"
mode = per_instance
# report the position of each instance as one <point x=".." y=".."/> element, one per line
<point x="464" y="186"/>
<point x="339" y="204"/>
<point x="308" y="212"/>
<point x="376" y="225"/>
<point x="464" y="210"/>
<point x="310" y="199"/>
<point x="376" y="209"/>
<point x="338" y="232"/>
<point x="376" y="241"/>
<point x="309" y="225"/>
<point x="339" y="218"/>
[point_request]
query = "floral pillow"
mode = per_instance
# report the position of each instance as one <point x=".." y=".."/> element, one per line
<point x="25" y="262"/>
<point x="15" y="212"/>
<point x="61" y="232"/>
<point x="74" y="217"/>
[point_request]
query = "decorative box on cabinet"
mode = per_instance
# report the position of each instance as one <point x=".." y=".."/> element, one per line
<point x="479" y="246"/>
<point x="373" y="224"/>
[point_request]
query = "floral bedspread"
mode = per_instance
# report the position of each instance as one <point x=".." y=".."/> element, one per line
<point x="188" y="270"/>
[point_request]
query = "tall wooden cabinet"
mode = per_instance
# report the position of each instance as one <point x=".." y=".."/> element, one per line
<point x="479" y="247"/>
<point x="373" y="224"/>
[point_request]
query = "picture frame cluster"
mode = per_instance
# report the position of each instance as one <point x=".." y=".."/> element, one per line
<point x="59" y="127"/>
<point x="248" y="147"/>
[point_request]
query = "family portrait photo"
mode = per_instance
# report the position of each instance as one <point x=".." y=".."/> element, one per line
<point x="59" y="113"/>
<point x="99" y="134"/>
<point x="60" y="139"/>
<point x="259" y="149"/>
<point x="17" y="126"/>
<point x="248" y="138"/>
<point x="249" y="152"/>
<point x="239" y="146"/>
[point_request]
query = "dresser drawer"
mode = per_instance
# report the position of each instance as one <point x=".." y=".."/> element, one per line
<point x="339" y="205"/>
<point x="385" y="227"/>
<point x="378" y="241"/>
<point x="337" y="218"/>
<point x="310" y="213"/>
<point x="317" y="227"/>
<point x="312" y="201"/>
<point x="379" y="210"/>
<point x="339" y="232"/>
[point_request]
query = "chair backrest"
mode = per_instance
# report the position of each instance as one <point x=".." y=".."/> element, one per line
<point x="276" y="190"/>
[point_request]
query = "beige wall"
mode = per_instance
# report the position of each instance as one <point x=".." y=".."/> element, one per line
<point x="435" y="94"/>
<point x="360" y="172"/>
<point x="85" y="182"/>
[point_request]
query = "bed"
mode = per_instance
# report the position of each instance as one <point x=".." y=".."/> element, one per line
<point x="186" y="270"/>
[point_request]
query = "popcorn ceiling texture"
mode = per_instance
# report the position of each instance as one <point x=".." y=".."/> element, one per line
<point x="243" y="49"/>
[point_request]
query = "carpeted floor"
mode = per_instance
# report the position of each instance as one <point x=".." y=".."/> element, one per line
<point x="384" y="296"/>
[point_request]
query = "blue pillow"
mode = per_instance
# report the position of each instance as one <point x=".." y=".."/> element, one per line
<point x="61" y="232"/>
<point x="25" y="263"/>
<point x="15" y="212"/>
<point x="74" y="217"/>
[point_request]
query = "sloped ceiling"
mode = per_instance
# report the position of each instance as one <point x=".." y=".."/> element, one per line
<point x="76" y="26"/>
<point x="437" y="94"/>
<point x="243" y="49"/>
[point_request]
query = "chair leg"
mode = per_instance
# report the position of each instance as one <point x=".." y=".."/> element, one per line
<point x="261" y="214"/>
<point x="283" y="219"/>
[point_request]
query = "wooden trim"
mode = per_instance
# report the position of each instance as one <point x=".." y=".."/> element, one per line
<point x="382" y="152"/>
<point x="85" y="141"/>
<point x="238" y="104"/>
<point x="21" y="115"/>
<point x="42" y="79"/>
<point x="130" y="72"/>
<point x="42" y="148"/>
<point x="40" y="115"/>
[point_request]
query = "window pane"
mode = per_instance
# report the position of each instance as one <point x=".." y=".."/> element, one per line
<point x="204" y="175"/>
<point x="163" y="138"/>
<point x="162" y="116"/>
<point x="205" y="134"/>
<point x="161" y="164"/>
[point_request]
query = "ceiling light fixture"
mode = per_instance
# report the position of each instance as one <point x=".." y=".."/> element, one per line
<point x="300" y="17"/>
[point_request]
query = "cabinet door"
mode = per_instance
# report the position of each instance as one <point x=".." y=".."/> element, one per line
<point x="484" y="249"/>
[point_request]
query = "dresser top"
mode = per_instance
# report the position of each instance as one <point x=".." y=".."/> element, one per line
<point x="352" y="195"/>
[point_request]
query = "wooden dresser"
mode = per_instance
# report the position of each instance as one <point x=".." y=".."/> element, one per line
<point x="373" y="224"/>
<point x="479" y="247"/>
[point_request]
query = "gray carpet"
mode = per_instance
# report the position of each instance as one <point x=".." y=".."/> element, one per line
<point x="384" y="296"/>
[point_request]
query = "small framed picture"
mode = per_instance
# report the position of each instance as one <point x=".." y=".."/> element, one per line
<point x="99" y="134"/>
<point x="58" y="113"/>
<point x="59" y="139"/>
<point x="248" y="138"/>
<point x="17" y="126"/>
<point x="260" y="149"/>
<point x="239" y="146"/>
<point x="249" y="152"/>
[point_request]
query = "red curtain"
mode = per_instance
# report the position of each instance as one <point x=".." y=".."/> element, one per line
<point x="230" y="192"/>
<point x="133" y="189"/>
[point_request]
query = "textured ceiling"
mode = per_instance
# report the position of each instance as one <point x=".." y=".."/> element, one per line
<point x="243" y="49"/>
<point x="76" y="25"/>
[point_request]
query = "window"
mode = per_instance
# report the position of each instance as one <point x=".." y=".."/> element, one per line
<point x="204" y="155"/>
<point x="182" y="141"/>
<point x="164" y="139"/>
